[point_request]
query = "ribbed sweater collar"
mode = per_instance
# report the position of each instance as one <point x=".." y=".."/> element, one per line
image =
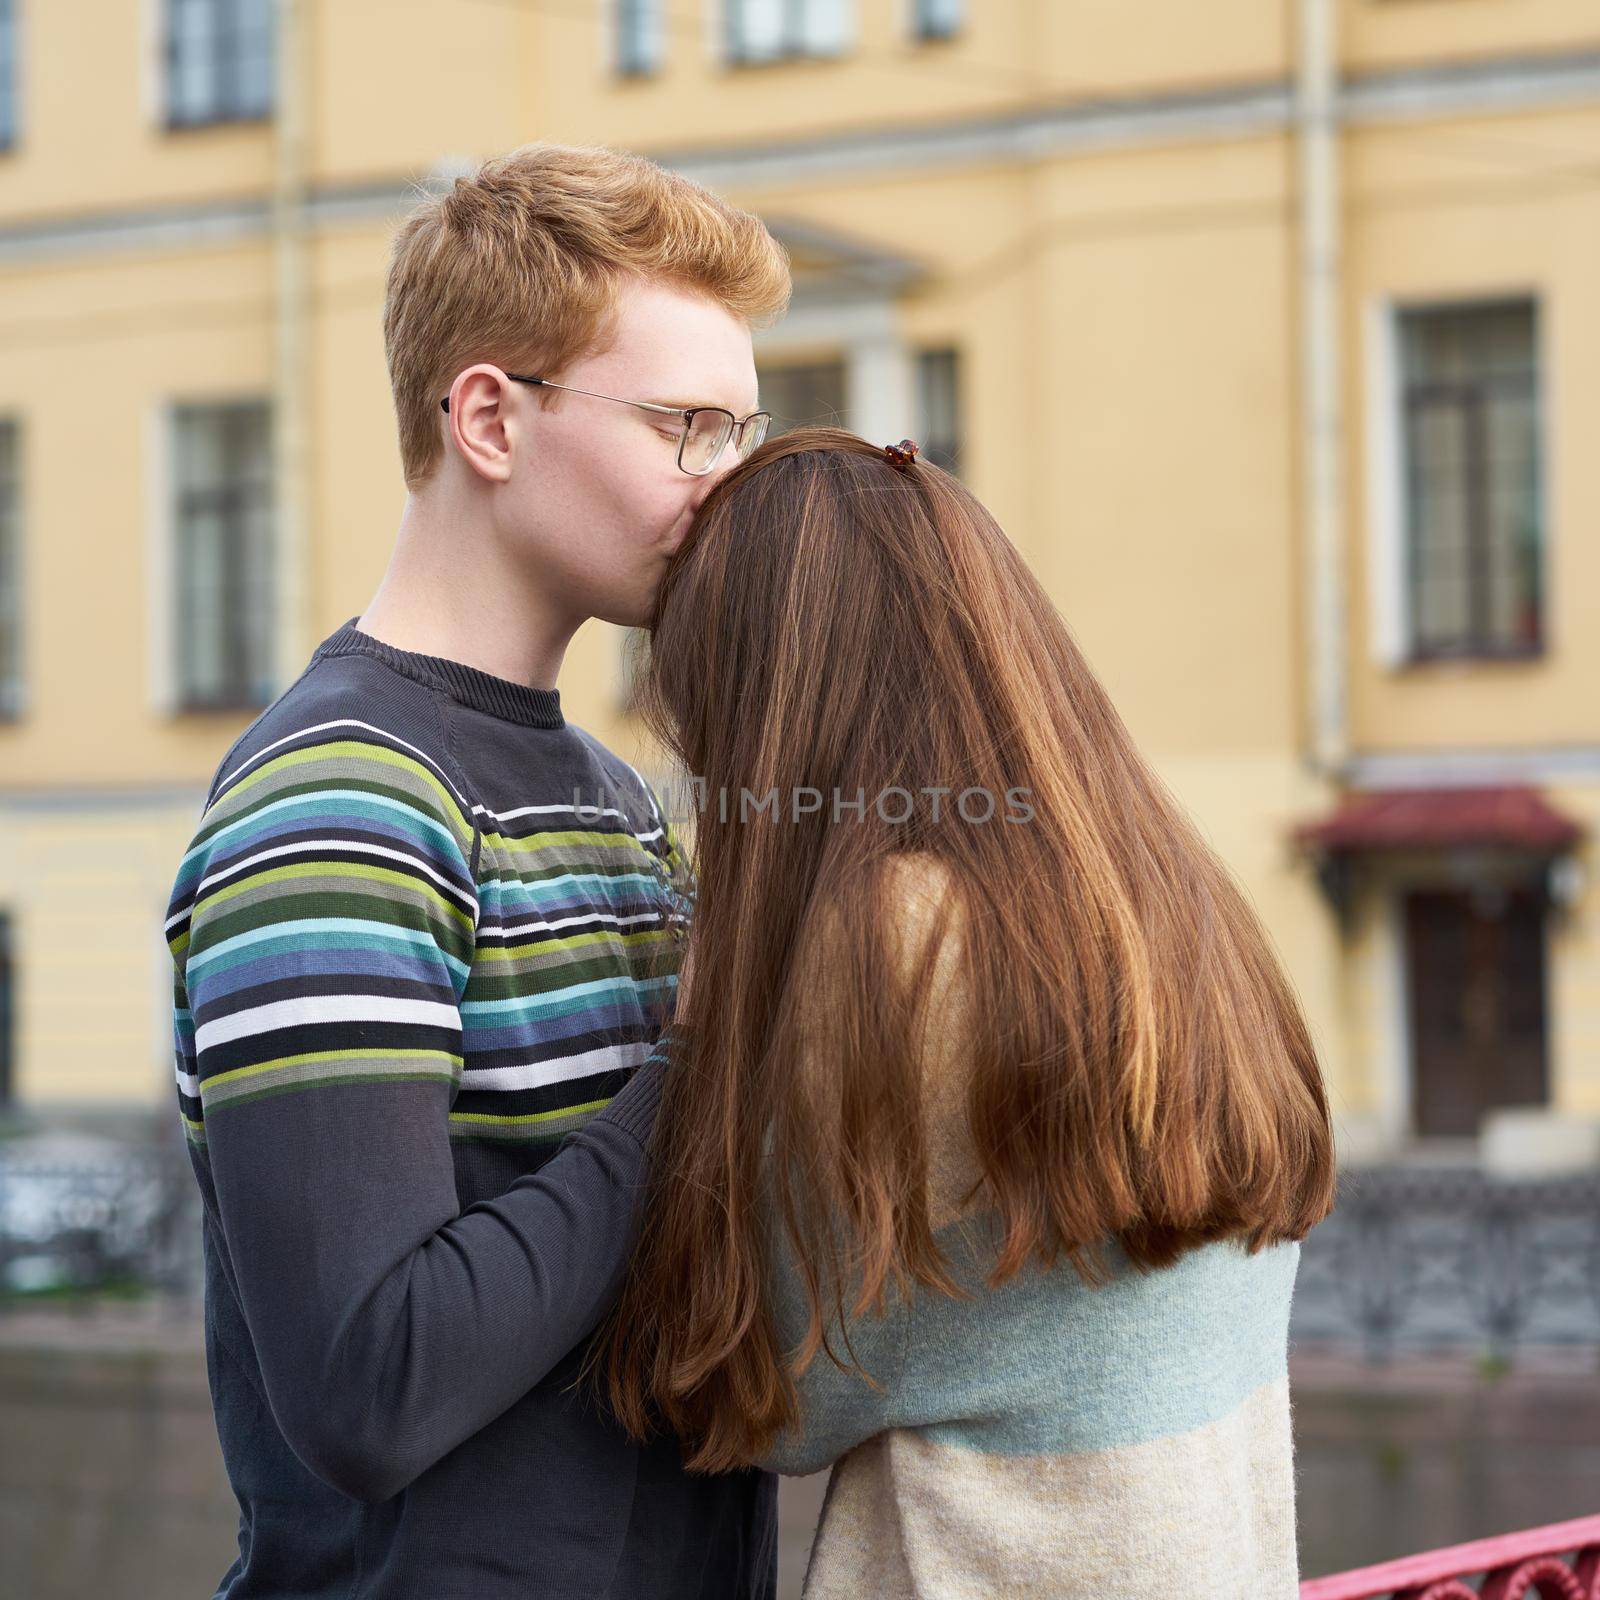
<point x="498" y="697"/>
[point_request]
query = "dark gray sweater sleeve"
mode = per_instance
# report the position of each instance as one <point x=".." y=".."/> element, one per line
<point x="323" y="988"/>
<point x="389" y="1325"/>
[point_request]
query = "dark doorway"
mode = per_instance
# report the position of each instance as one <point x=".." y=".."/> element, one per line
<point x="1475" y="977"/>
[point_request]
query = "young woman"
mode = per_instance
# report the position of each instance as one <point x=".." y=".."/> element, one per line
<point x="991" y="1120"/>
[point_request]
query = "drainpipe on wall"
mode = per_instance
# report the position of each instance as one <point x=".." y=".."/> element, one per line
<point x="292" y="394"/>
<point x="1321" y="409"/>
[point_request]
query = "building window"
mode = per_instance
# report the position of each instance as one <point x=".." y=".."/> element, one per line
<point x="1472" y="452"/>
<point x="939" y="408"/>
<point x="638" y="37"/>
<point x="806" y="396"/>
<point x="8" y="74"/>
<point x="224" y="555"/>
<point x="10" y="572"/>
<point x="779" y="30"/>
<point x="219" y="61"/>
<point x="937" y="19"/>
<point x="8" y="1013"/>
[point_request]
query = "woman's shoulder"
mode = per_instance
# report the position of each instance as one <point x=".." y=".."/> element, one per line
<point x="926" y="908"/>
<point x="922" y="879"/>
<point x="928" y="947"/>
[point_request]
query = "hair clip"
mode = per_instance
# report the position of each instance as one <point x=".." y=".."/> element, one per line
<point x="901" y="455"/>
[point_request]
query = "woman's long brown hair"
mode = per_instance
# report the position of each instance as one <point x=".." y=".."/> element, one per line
<point x="1141" y="1071"/>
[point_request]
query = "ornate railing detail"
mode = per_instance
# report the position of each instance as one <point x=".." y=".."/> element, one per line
<point x="1558" y="1562"/>
<point x="82" y="1214"/>
<point x="1425" y="1258"/>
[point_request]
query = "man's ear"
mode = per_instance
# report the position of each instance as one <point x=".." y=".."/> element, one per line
<point x="478" y="422"/>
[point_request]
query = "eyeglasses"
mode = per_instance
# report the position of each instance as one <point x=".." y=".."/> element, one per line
<point x="706" y="429"/>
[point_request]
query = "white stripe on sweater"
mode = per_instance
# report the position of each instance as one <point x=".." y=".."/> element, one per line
<point x="536" y="1074"/>
<point x="308" y="1010"/>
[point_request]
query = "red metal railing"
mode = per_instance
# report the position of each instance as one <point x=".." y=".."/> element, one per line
<point x="1516" y="1566"/>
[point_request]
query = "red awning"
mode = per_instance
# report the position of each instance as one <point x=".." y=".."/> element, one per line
<point x="1508" y="816"/>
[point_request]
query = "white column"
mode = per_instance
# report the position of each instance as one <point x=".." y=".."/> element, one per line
<point x="880" y="387"/>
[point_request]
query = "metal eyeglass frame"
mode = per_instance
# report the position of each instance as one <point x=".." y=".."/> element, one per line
<point x="736" y="426"/>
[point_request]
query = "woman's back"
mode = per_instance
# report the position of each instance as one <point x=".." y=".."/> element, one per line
<point x="1042" y="1436"/>
<point x="1049" y="1438"/>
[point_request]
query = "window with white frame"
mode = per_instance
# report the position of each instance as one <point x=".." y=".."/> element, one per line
<point x="1471" y="475"/>
<point x="637" y="37"/>
<point x="937" y="19"/>
<point x="939" y="408"/>
<point x="804" y="395"/>
<point x="223" y="555"/>
<point x="219" y="61"/>
<point x="8" y="74"/>
<point x="779" y="30"/>
<point x="10" y="570"/>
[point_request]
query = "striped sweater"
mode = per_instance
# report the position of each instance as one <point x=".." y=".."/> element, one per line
<point x="1042" y="1437"/>
<point x="421" y="953"/>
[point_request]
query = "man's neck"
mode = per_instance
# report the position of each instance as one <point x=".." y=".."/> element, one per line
<point x="466" y="609"/>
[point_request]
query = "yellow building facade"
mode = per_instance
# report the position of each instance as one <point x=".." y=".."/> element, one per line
<point x="1269" y="330"/>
